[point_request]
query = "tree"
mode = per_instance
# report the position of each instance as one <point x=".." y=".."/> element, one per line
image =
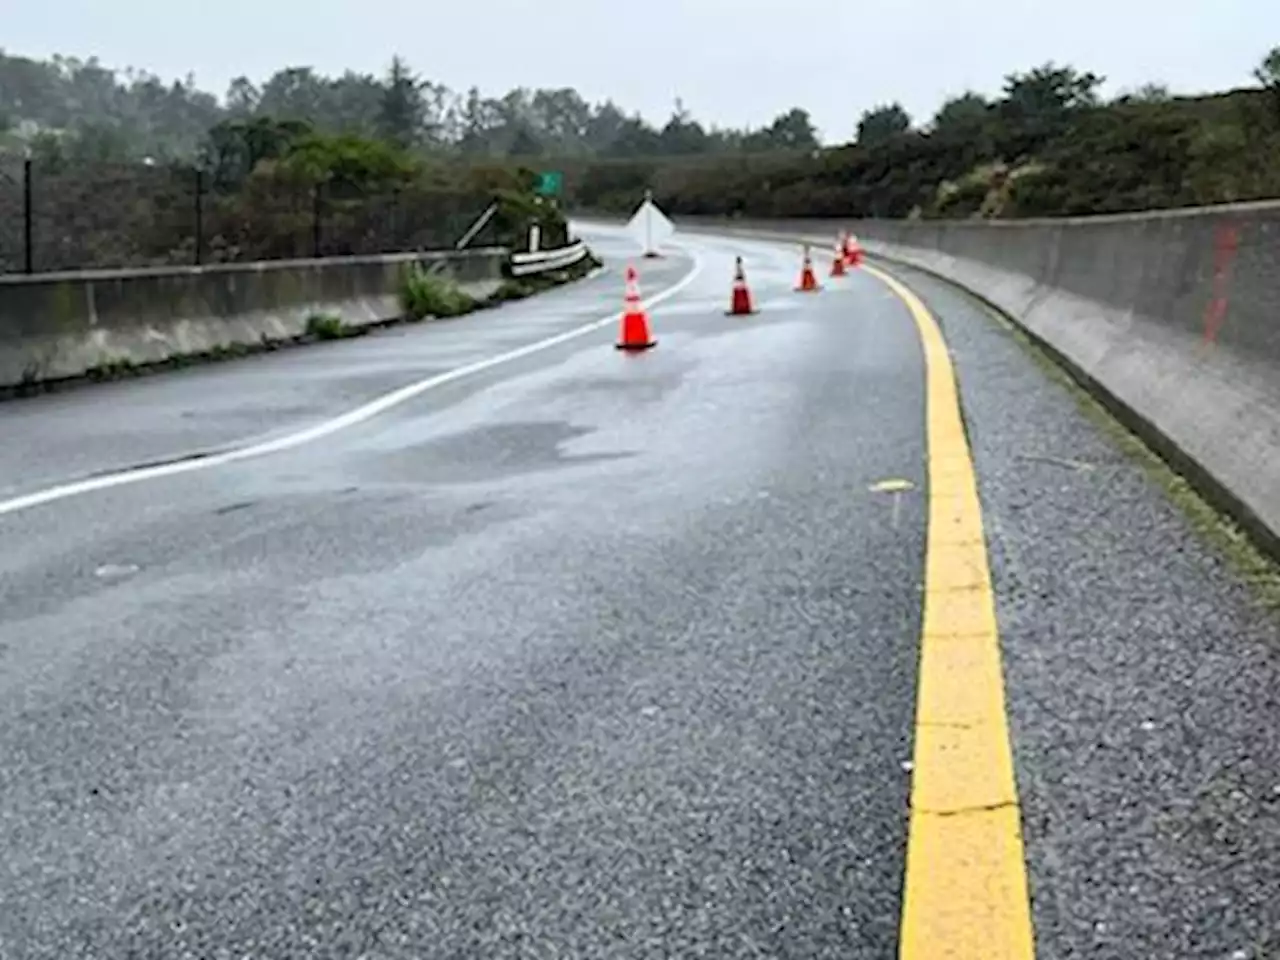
<point x="173" y="118"/>
<point x="477" y="119"/>
<point x="233" y="148"/>
<point x="524" y="143"/>
<point x="349" y="163"/>
<point x="515" y="109"/>
<point x="47" y="152"/>
<point x="403" y="111"/>
<point x="562" y="117"/>
<point x="682" y="135"/>
<point x="243" y="97"/>
<point x="353" y="104"/>
<point x="1049" y="91"/>
<point x="1267" y="73"/>
<point x="294" y="93"/>
<point x="31" y="90"/>
<point x="604" y="127"/>
<point x="635" y="139"/>
<point x="97" y="143"/>
<point x="792" y="130"/>
<point x="882" y="124"/>
<point x="961" y="114"/>
<point x="437" y="100"/>
<point x="1150" y="93"/>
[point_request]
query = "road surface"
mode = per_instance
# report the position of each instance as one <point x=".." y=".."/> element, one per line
<point x="577" y="654"/>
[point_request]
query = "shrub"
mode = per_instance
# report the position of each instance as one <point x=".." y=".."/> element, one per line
<point x="307" y="195"/>
<point x="1088" y="158"/>
<point x="424" y="294"/>
<point x="324" y="326"/>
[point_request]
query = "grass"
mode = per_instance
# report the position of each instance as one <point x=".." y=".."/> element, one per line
<point x="327" y="326"/>
<point x="424" y="294"/>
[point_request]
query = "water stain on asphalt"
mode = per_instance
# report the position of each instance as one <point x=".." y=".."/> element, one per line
<point x="234" y="507"/>
<point x="485" y="453"/>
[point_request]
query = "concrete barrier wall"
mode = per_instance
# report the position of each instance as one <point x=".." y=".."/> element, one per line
<point x="57" y="326"/>
<point x="1172" y="318"/>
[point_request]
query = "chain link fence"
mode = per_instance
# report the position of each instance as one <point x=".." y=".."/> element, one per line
<point x="13" y="243"/>
<point x="109" y="216"/>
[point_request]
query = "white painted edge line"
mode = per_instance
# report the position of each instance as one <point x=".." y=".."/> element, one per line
<point x="326" y="428"/>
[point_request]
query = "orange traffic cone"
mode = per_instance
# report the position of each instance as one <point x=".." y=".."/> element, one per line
<point x="634" y="334"/>
<point x="837" y="262"/>
<point x="853" y="252"/>
<point x="846" y="246"/>
<point x="740" y="304"/>
<point x="808" y="282"/>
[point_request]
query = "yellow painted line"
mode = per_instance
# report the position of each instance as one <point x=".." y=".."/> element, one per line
<point x="965" y="893"/>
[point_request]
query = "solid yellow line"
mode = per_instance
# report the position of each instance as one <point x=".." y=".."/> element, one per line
<point x="965" y="893"/>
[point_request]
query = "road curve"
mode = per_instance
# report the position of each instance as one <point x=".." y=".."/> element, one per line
<point x="592" y="655"/>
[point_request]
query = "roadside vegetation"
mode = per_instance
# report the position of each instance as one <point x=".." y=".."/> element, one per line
<point x="1048" y="146"/>
<point x="128" y="169"/>
<point x="423" y="294"/>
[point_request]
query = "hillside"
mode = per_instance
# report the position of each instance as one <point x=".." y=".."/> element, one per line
<point x="95" y="112"/>
<point x="128" y="169"/>
<point x="1049" y="147"/>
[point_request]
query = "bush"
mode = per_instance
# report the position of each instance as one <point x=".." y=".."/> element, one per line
<point x="266" y="191"/>
<point x="325" y="326"/>
<point x="517" y="212"/>
<point x="1001" y="162"/>
<point x="424" y="294"/>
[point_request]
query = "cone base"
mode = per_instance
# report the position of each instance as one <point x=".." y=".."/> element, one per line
<point x="652" y="255"/>
<point x="741" y="304"/>
<point x="635" y="347"/>
<point x="816" y="289"/>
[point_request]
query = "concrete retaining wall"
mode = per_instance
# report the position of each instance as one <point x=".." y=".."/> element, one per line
<point x="1172" y="318"/>
<point x="56" y="326"/>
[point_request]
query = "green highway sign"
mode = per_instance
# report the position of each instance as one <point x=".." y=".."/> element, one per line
<point x="549" y="183"/>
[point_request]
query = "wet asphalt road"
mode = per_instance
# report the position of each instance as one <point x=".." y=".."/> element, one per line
<point x="592" y="655"/>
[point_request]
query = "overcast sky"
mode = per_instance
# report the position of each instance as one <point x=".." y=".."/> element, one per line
<point x="733" y="62"/>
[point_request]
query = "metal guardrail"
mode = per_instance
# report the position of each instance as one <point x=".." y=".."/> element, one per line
<point x="547" y="261"/>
